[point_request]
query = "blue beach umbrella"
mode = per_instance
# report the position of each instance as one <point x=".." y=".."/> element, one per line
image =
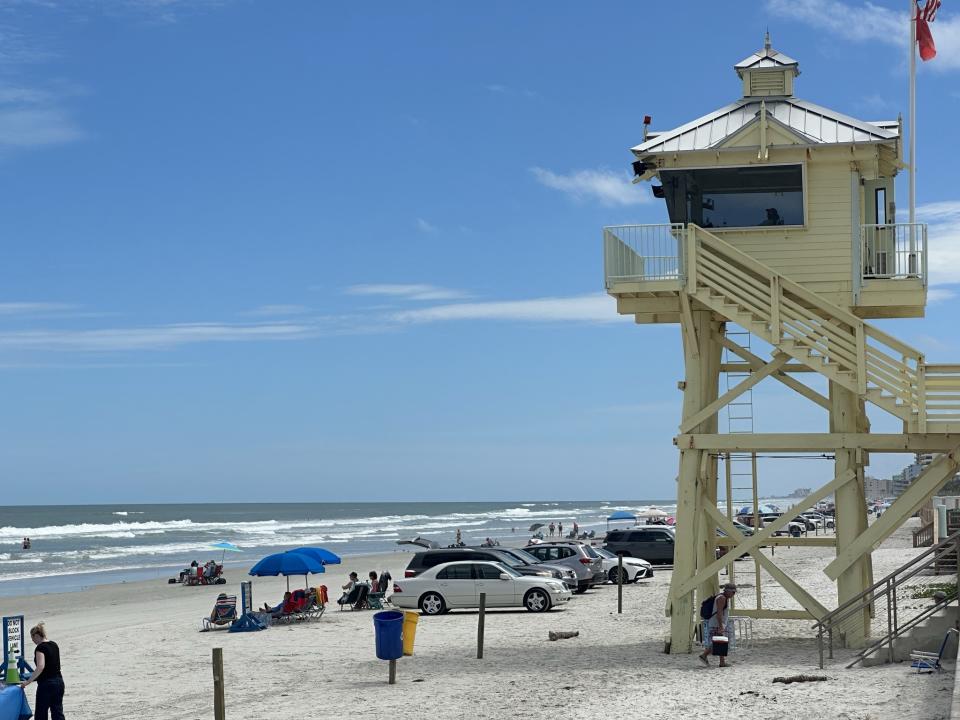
<point x="287" y="564"/>
<point x="321" y="555"/>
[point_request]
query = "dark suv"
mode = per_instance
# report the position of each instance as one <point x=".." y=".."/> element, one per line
<point x="654" y="544"/>
<point x="429" y="558"/>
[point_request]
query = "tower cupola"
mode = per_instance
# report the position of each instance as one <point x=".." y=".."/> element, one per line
<point x="767" y="72"/>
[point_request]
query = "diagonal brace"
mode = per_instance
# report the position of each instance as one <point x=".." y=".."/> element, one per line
<point x="756" y="363"/>
<point x="710" y="410"/>
<point x="809" y="603"/>
<point x="757" y="539"/>
<point x="927" y="483"/>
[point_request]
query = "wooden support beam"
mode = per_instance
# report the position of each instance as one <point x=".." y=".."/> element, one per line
<point x="627" y="306"/>
<point x="745" y="367"/>
<point x="710" y="410"/>
<point x="759" y="538"/>
<point x="764" y="614"/>
<point x="920" y="490"/>
<point x="789" y="540"/>
<point x="756" y="363"/>
<point x="809" y="603"/>
<point x="819" y="442"/>
<point x="689" y="330"/>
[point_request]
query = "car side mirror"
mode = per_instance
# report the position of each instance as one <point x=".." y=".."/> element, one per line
<point x="504" y="576"/>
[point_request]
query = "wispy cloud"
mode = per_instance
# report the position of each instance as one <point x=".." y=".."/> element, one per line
<point x="940" y="294"/>
<point x="9" y="309"/>
<point x="869" y="22"/>
<point x="407" y="292"/>
<point x="278" y="310"/>
<point x="608" y="187"/>
<point x="593" y="308"/>
<point x="424" y="226"/>
<point x="943" y="240"/>
<point x="501" y="89"/>
<point x="161" y="337"/>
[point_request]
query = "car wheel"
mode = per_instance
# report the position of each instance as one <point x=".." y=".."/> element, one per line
<point x="624" y="575"/>
<point x="432" y="603"/>
<point x="536" y="600"/>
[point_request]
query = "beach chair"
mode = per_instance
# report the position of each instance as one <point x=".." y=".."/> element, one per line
<point x="315" y="605"/>
<point x="352" y="598"/>
<point x="224" y="613"/>
<point x="922" y="661"/>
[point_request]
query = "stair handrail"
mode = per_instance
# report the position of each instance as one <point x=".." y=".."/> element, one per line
<point x="869" y="596"/>
<point x="942" y="545"/>
<point x="909" y="390"/>
<point x="899" y="631"/>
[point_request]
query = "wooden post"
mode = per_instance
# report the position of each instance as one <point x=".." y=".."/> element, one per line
<point x="392" y="680"/>
<point x="219" y="707"/>
<point x="480" y="619"/>
<point x="619" y="584"/>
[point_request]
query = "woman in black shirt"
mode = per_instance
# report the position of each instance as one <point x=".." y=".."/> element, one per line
<point x="47" y="676"/>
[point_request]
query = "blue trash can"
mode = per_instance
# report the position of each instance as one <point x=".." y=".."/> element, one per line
<point x="388" y="632"/>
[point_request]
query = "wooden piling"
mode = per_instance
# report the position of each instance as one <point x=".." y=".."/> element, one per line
<point x="219" y="705"/>
<point x="392" y="680"/>
<point x="619" y="584"/>
<point x="480" y="620"/>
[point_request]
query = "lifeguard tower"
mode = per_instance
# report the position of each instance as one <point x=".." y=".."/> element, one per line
<point x="783" y="228"/>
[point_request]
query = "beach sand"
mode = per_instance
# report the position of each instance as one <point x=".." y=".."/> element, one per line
<point x="133" y="650"/>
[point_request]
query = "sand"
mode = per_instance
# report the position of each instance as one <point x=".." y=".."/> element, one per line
<point x="133" y="650"/>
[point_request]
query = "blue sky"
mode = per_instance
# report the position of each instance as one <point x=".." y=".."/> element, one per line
<point x="298" y="250"/>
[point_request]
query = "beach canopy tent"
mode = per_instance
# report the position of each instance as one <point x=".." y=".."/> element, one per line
<point x="620" y="516"/>
<point x="420" y="542"/>
<point x="321" y="555"/>
<point x="226" y="547"/>
<point x="536" y="526"/>
<point x="287" y="564"/>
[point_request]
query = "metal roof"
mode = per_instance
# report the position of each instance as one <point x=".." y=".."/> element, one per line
<point x="767" y="57"/>
<point x="813" y="124"/>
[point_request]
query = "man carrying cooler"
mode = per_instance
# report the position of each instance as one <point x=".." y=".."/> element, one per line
<point x="716" y="620"/>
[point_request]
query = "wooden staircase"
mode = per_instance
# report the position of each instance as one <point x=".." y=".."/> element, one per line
<point x="826" y="338"/>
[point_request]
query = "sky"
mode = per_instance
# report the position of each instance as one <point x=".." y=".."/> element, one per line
<point x="273" y="251"/>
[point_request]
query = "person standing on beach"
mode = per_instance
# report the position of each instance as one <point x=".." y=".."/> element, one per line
<point x="716" y="624"/>
<point x="552" y="528"/>
<point x="560" y="529"/>
<point x="47" y="676"/>
<point x="459" y="541"/>
<point x="576" y="529"/>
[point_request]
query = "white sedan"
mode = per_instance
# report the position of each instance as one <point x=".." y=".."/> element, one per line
<point x="455" y="585"/>
<point x="633" y="568"/>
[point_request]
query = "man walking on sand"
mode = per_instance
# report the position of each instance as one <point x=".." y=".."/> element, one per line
<point x="716" y="624"/>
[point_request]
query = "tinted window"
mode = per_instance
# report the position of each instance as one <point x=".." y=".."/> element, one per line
<point x="456" y="572"/>
<point x="591" y="553"/>
<point x="487" y="572"/>
<point x="525" y="556"/>
<point x="750" y="196"/>
<point x="433" y="559"/>
<point x="663" y="537"/>
<point x="537" y="553"/>
<point x="640" y="536"/>
<point x="564" y="552"/>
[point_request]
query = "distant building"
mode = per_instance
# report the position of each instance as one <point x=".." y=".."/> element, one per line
<point x="800" y="493"/>
<point x="877" y="488"/>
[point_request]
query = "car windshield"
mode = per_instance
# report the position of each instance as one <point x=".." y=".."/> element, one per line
<point x="604" y="553"/>
<point x="591" y="553"/>
<point x="523" y="556"/>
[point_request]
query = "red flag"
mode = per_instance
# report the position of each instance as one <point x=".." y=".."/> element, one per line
<point x="928" y="50"/>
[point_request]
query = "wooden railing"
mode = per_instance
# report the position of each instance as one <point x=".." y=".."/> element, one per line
<point x="865" y="356"/>
<point x="923" y="536"/>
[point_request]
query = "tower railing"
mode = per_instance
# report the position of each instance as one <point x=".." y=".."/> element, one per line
<point x="637" y="253"/>
<point x="894" y="250"/>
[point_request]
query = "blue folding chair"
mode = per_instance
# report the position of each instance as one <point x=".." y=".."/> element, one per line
<point x="927" y="661"/>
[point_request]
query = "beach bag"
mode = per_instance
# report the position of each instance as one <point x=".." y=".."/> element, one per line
<point x="706" y="607"/>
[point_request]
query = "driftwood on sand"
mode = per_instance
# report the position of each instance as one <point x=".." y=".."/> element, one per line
<point x="800" y="678"/>
<point x="563" y="635"/>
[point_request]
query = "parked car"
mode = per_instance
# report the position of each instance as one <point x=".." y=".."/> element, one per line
<point x="650" y="542"/>
<point x="525" y="566"/>
<point x="455" y="585"/>
<point x="633" y="568"/>
<point x="580" y="558"/>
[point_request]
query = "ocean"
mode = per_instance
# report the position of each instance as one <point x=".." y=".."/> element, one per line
<point x="76" y="546"/>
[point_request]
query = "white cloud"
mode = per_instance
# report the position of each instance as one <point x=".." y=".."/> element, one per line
<point x="424" y="226"/>
<point x="943" y="241"/>
<point x="274" y="310"/>
<point x="940" y="294"/>
<point x="869" y="22"/>
<point x="610" y="188"/>
<point x="407" y="292"/>
<point x="596" y="308"/>
<point x="162" y="337"/>
<point x="32" y="308"/>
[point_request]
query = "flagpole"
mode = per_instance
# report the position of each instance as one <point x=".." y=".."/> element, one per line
<point x="913" y="116"/>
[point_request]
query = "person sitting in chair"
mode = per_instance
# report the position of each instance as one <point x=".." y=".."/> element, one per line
<point x="773" y="217"/>
<point x="278" y="610"/>
<point x="350" y="591"/>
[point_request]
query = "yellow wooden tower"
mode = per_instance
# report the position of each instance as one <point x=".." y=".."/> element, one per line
<point x="783" y="223"/>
